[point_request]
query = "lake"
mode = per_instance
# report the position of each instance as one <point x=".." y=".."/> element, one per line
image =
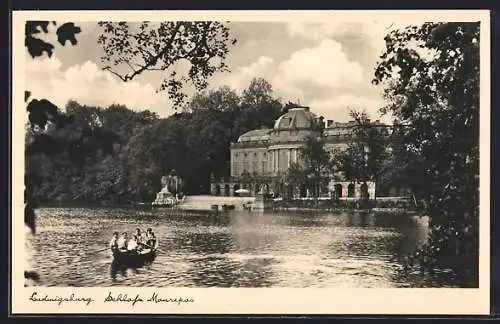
<point x="233" y="249"/>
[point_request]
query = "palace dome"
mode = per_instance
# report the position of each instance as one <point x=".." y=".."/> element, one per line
<point x="255" y="135"/>
<point x="296" y="118"/>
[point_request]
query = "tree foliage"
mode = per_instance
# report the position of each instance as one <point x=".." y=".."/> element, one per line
<point x="203" y="44"/>
<point x="130" y="50"/>
<point x="431" y="79"/>
<point x="42" y="113"/>
<point x="195" y="143"/>
<point x="366" y="157"/>
<point x="37" y="47"/>
<point x="314" y="165"/>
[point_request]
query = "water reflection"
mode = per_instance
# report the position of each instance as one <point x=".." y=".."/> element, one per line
<point x="235" y="249"/>
<point x="121" y="267"/>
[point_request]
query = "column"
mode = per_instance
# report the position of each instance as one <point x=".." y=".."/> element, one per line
<point x="270" y="154"/>
<point x="213" y="189"/>
<point x="278" y="164"/>
<point x="289" y="157"/>
<point x="277" y="154"/>
<point x="275" y="162"/>
<point x="268" y="161"/>
<point x="270" y="157"/>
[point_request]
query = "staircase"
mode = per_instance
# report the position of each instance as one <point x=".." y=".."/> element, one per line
<point x="205" y="202"/>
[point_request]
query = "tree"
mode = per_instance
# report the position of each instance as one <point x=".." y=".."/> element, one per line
<point x="431" y="79"/>
<point x="400" y="169"/>
<point x="96" y="172"/>
<point x="256" y="107"/>
<point x="259" y="106"/>
<point x="219" y="117"/>
<point x="314" y="165"/>
<point x="220" y="100"/>
<point x="366" y="155"/>
<point x="42" y="112"/>
<point x="202" y="44"/>
<point x="317" y="161"/>
<point x="297" y="176"/>
<point x="131" y="50"/>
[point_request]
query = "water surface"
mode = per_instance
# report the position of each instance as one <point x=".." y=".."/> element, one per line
<point x="235" y="249"/>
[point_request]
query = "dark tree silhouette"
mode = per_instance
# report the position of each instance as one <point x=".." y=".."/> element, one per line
<point x="431" y="78"/>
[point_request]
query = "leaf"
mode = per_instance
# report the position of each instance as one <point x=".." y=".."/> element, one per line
<point x="31" y="27"/>
<point x="67" y="33"/>
<point x="40" y="112"/>
<point x="36" y="47"/>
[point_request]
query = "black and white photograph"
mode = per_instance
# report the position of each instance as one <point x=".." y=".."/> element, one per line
<point x="333" y="152"/>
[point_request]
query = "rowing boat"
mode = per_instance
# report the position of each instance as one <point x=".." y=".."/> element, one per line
<point x="135" y="257"/>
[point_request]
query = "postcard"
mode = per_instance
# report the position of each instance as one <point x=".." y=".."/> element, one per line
<point x="250" y="162"/>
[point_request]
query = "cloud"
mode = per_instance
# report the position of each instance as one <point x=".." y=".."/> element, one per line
<point x="367" y="34"/>
<point x="324" y="67"/>
<point x="321" y="76"/>
<point x="88" y="84"/>
<point x="239" y="79"/>
<point x="244" y="74"/>
<point x="327" y="66"/>
<point x="338" y="108"/>
<point x="320" y="31"/>
<point x="372" y="33"/>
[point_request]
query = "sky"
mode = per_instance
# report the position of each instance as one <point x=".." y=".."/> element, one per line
<point x="326" y="66"/>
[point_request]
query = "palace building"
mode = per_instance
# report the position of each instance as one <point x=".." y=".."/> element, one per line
<point x="261" y="157"/>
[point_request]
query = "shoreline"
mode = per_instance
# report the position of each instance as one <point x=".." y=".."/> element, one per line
<point x="199" y="211"/>
<point x="340" y="209"/>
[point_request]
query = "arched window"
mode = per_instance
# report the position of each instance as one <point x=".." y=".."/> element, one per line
<point x="350" y="190"/>
<point x="338" y="190"/>
<point x="217" y="190"/>
<point x="364" y="191"/>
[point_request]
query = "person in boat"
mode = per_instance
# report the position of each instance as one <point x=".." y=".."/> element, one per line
<point x="122" y="242"/>
<point x="113" y="244"/>
<point x="132" y="244"/>
<point x="140" y="238"/>
<point x="150" y="238"/>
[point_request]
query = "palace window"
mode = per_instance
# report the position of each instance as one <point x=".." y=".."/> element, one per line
<point x="236" y="168"/>
<point x="285" y="122"/>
